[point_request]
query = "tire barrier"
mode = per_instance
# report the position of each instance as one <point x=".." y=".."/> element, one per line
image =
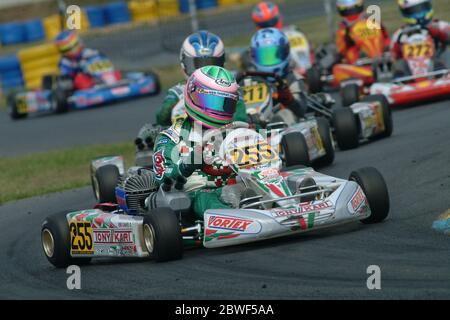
<point x="37" y="62"/>
<point x="96" y="16"/>
<point x="117" y="12"/>
<point x="143" y="10"/>
<point x="200" y="5"/>
<point x="10" y="73"/>
<point x="34" y="30"/>
<point x="12" y="33"/>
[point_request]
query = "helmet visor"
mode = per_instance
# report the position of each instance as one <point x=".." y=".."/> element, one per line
<point x="417" y="11"/>
<point x="268" y="23"/>
<point x="214" y="102"/>
<point x="269" y="56"/>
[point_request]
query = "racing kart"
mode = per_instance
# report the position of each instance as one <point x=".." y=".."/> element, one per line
<point x="419" y="77"/>
<point x="58" y="94"/>
<point x="366" y="120"/>
<point x="157" y="222"/>
<point x="351" y="79"/>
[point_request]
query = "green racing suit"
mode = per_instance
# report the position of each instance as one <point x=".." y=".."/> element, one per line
<point x="205" y="179"/>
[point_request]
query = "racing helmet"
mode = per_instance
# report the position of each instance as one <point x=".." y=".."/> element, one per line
<point x="350" y="9"/>
<point x="416" y="11"/>
<point x="211" y="95"/>
<point x="201" y="48"/>
<point x="270" y="51"/>
<point x="266" y="14"/>
<point x="69" y="43"/>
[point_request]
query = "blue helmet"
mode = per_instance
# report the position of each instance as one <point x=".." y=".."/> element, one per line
<point x="200" y="49"/>
<point x="270" y="51"/>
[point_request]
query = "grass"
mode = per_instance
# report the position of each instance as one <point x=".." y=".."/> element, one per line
<point x="42" y="173"/>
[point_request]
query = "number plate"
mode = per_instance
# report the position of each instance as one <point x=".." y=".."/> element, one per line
<point x="21" y="104"/>
<point x="81" y="237"/>
<point x="253" y="155"/>
<point x="297" y="42"/>
<point x="255" y="93"/>
<point x="418" y="50"/>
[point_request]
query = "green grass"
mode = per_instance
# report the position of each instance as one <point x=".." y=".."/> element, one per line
<point x="42" y="173"/>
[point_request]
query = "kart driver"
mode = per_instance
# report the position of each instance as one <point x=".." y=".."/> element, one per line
<point x="419" y="14"/>
<point x="351" y="12"/>
<point x="199" y="49"/>
<point x="73" y="53"/>
<point x="270" y="52"/>
<point x="210" y="99"/>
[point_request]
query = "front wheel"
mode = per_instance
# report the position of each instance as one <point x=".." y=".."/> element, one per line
<point x="14" y="108"/>
<point x="345" y="128"/>
<point x="313" y="78"/>
<point x="104" y="183"/>
<point x="350" y="94"/>
<point x="162" y="235"/>
<point x="294" y="149"/>
<point x="374" y="187"/>
<point x="55" y="240"/>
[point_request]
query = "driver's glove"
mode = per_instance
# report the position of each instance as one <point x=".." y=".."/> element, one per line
<point x="187" y="168"/>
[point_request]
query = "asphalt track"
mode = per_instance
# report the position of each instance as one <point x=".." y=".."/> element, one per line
<point x="414" y="260"/>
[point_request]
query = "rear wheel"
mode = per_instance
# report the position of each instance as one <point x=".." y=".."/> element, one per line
<point x="294" y="149"/>
<point x="345" y="128"/>
<point x="387" y="113"/>
<point x="350" y="94"/>
<point x="374" y="187"/>
<point x="327" y="141"/>
<point x="313" y="79"/>
<point x="162" y="235"/>
<point x="55" y="240"/>
<point x="13" y="107"/>
<point x="104" y="183"/>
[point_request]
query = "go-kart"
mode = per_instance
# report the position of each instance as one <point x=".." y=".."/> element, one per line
<point x="58" y="94"/>
<point x="368" y="119"/>
<point x="315" y="144"/>
<point x="157" y="222"/>
<point x="420" y="76"/>
<point x="352" y="78"/>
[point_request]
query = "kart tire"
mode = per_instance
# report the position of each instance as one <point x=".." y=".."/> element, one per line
<point x="313" y="79"/>
<point x="157" y="82"/>
<point x="401" y="69"/>
<point x="350" y="94"/>
<point x="12" y="103"/>
<point x="162" y="235"/>
<point x="309" y="185"/>
<point x="295" y="150"/>
<point x="345" y="128"/>
<point x="61" y="103"/>
<point x="48" y="82"/>
<point x="55" y="241"/>
<point x="105" y="182"/>
<point x="387" y="113"/>
<point x="323" y="127"/>
<point x="374" y="187"/>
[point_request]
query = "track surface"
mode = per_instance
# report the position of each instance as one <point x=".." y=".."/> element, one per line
<point x="414" y="260"/>
<point x="106" y="124"/>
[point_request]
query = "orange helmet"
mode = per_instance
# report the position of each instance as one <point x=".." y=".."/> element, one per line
<point x="69" y="44"/>
<point x="267" y="15"/>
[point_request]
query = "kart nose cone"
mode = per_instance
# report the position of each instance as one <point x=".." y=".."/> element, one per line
<point x="48" y="243"/>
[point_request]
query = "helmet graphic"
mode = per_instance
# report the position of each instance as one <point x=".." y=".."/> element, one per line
<point x="267" y="15"/>
<point x="211" y="95"/>
<point x="69" y="43"/>
<point x="350" y="9"/>
<point x="416" y="11"/>
<point x="200" y="49"/>
<point x="269" y="51"/>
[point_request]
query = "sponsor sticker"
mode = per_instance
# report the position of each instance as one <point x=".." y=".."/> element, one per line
<point x="113" y="236"/>
<point x="233" y="224"/>
<point x="159" y="164"/>
<point x="223" y="82"/>
<point x="357" y="201"/>
<point x="304" y="208"/>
